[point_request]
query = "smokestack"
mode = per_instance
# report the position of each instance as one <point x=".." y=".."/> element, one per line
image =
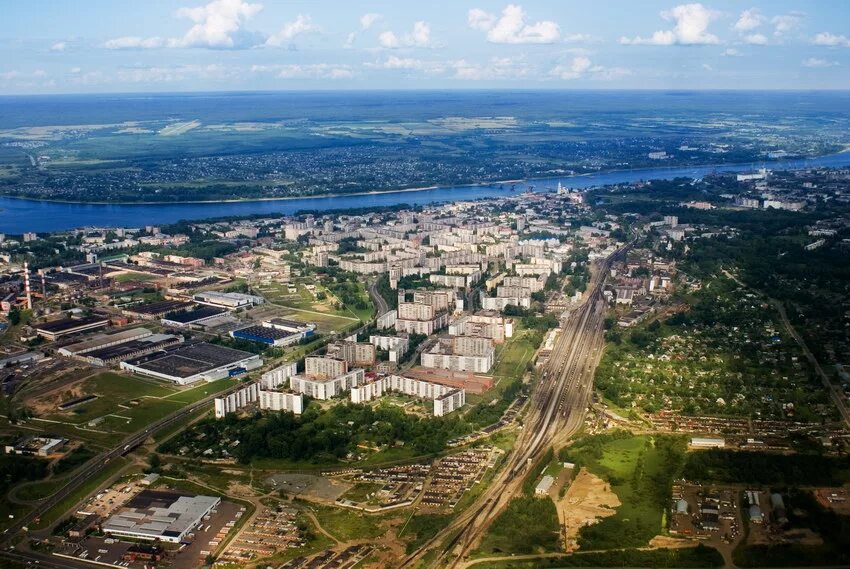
<point x="27" y="285"/>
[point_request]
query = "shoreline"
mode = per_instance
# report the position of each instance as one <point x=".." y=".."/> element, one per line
<point x="423" y="188"/>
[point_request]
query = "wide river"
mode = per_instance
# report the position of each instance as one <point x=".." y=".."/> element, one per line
<point x="20" y="215"/>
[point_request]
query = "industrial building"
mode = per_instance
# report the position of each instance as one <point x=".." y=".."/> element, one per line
<point x="276" y="332"/>
<point x="107" y="349"/>
<point x="160" y="516"/>
<point x="194" y="362"/>
<point x="228" y="300"/>
<point x="37" y="446"/>
<point x="56" y="329"/>
<point x="194" y="316"/>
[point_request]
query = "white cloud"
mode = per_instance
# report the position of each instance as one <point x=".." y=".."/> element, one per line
<point x="756" y="39"/>
<point x="420" y="36"/>
<point x="307" y="71"/>
<point x="691" y="28"/>
<point x="731" y="52"/>
<point x="511" y="27"/>
<point x="749" y="20"/>
<point x="301" y="25"/>
<point x="75" y="70"/>
<point x="369" y="20"/>
<point x="59" y="46"/>
<point x="349" y="41"/>
<point x="408" y="64"/>
<point x="582" y="66"/>
<point x="134" y="42"/>
<point x="496" y="68"/>
<point x="815" y="62"/>
<point x="7" y="75"/>
<point x="217" y="24"/>
<point x="574" y="70"/>
<point x="786" y="22"/>
<point x="831" y="40"/>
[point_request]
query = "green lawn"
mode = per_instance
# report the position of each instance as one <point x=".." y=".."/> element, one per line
<point x="346" y="524"/>
<point x="640" y="470"/>
<point x="361" y="492"/>
<point x="194" y="394"/>
<point x="113" y="390"/>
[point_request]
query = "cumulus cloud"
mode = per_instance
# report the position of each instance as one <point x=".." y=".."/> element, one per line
<point x="756" y="39"/>
<point x="408" y="64"/>
<point x="496" y="68"/>
<point x="786" y="22"/>
<point x="831" y="40"/>
<point x="218" y="24"/>
<point x="731" y="52"/>
<point x="749" y="20"/>
<point x="815" y="62"/>
<point x="512" y="28"/>
<point x="691" y="28"/>
<point x="59" y="46"/>
<point x="369" y="20"/>
<point x="581" y="66"/>
<point x="134" y="42"/>
<point x="306" y="71"/>
<point x="300" y="26"/>
<point x="420" y="36"/>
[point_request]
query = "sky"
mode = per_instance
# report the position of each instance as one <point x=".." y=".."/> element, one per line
<point x="106" y="46"/>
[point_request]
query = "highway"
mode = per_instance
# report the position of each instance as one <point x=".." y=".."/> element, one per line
<point x="556" y="412"/>
<point x="92" y="467"/>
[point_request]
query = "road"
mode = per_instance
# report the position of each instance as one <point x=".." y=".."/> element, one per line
<point x="381" y="306"/>
<point x="831" y="388"/>
<point x="91" y="468"/>
<point x="557" y="410"/>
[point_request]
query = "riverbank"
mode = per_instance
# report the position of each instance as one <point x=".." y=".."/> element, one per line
<point x="722" y="166"/>
<point x="22" y="214"/>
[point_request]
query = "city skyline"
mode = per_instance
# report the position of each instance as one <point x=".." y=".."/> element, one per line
<point x="222" y="45"/>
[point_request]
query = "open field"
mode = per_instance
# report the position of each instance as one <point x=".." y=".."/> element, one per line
<point x="640" y="471"/>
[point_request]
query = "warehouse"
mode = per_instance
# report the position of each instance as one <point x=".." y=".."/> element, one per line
<point x="111" y="355"/>
<point x="267" y="335"/>
<point x="101" y="341"/>
<point x="154" y="310"/>
<point x="229" y="300"/>
<point x="186" y="364"/>
<point x="185" y="318"/>
<point x="163" y="516"/>
<point x="66" y="326"/>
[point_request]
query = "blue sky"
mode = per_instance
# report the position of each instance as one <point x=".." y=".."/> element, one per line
<point x="91" y="46"/>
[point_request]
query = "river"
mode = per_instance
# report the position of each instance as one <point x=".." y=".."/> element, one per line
<point x="20" y="215"/>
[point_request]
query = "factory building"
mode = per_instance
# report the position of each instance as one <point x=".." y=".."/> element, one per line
<point x="189" y="363"/>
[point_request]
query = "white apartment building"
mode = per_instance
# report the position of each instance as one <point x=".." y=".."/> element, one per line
<point x="236" y="400"/>
<point x="282" y="401"/>
<point x="491" y="326"/>
<point x="321" y="367"/>
<point x="396" y="346"/>
<point x="461" y="353"/>
<point x="279" y="376"/>
<point x="446" y="399"/>
<point x="326" y="388"/>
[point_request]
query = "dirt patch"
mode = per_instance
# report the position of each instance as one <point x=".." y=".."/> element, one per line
<point x="667" y="542"/>
<point x="587" y="500"/>
<point x="308" y="486"/>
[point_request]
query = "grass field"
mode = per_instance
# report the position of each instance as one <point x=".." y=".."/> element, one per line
<point x="112" y="390"/>
<point x="347" y="524"/>
<point x="640" y="470"/>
